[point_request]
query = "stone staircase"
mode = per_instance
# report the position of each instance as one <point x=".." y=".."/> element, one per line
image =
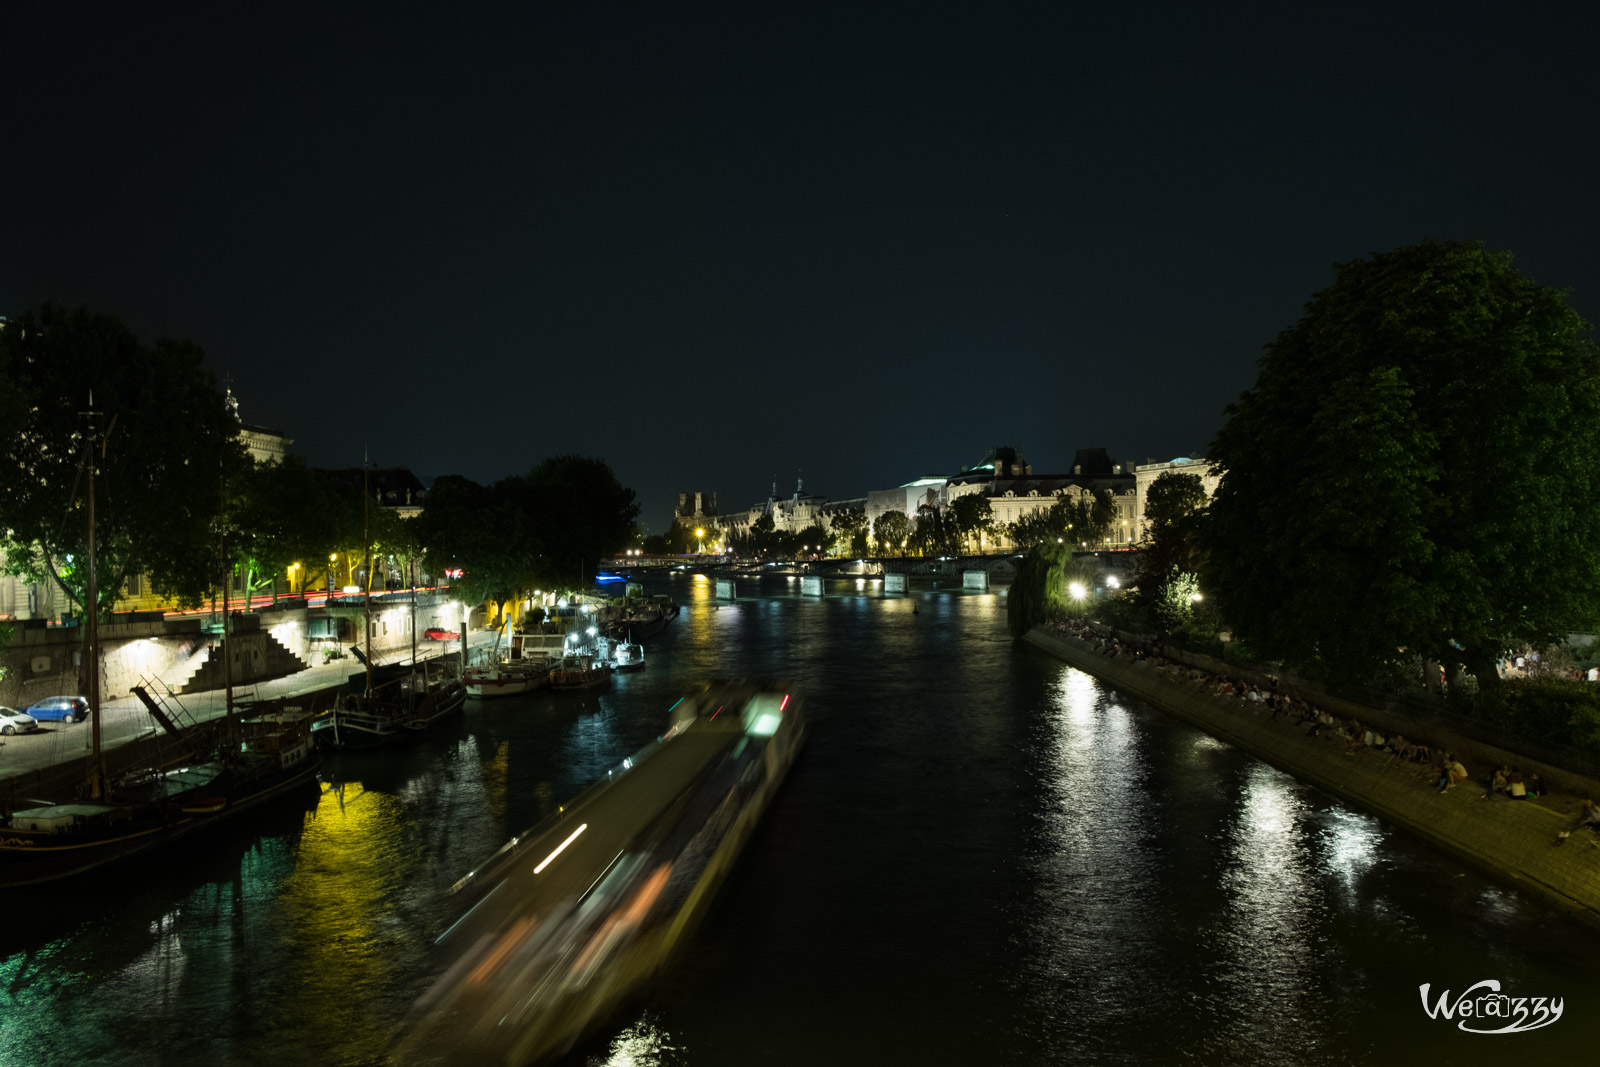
<point x="256" y="657"/>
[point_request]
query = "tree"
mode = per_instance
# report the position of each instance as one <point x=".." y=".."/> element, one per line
<point x="1416" y="467"/>
<point x="933" y="533"/>
<point x="1174" y="507"/>
<point x="582" y="515"/>
<point x="1037" y="527"/>
<point x="892" y="530"/>
<point x="280" y="514"/>
<point x="679" y="539"/>
<point x="849" y="531"/>
<point x="165" y="439"/>
<point x="763" y="537"/>
<point x="972" y="519"/>
<point x="1084" y="518"/>
<point x="814" y="540"/>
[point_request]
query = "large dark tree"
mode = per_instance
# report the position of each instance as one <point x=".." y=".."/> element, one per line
<point x="1173" y="510"/>
<point x="1417" y="467"/>
<point x="165" y="439"/>
<point x="583" y="514"/>
<point x="282" y="514"/>
<point x="489" y="533"/>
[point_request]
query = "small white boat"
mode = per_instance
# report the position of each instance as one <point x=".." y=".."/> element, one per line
<point x="629" y="657"/>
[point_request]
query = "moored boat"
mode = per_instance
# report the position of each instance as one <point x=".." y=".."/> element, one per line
<point x="197" y="779"/>
<point x="578" y="670"/>
<point x="628" y="656"/>
<point x="507" y="678"/>
<point x="400" y="709"/>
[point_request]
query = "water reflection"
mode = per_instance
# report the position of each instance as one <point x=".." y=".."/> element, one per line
<point x="983" y="857"/>
<point x="1095" y="935"/>
<point x="1264" y="941"/>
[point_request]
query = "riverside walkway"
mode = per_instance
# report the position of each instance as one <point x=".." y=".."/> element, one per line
<point x="124" y="719"/>
<point x="1516" y="841"/>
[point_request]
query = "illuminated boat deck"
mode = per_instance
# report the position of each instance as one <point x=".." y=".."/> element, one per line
<point x="562" y="922"/>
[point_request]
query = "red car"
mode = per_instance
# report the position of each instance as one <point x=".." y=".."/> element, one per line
<point x="433" y="633"/>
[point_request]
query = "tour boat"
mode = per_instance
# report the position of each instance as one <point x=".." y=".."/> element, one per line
<point x="569" y="919"/>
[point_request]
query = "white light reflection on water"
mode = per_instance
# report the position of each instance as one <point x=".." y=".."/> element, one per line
<point x="643" y="1043"/>
<point x="1093" y="950"/>
<point x="1265" y="938"/>
<point x="1350" y="843"/>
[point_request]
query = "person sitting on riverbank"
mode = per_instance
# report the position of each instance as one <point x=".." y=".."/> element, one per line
<point x="1441" y="774"/>
<point x="1499" y="782"/>
<point x="1516" y="788"/>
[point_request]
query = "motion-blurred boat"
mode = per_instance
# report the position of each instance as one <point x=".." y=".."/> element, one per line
<point x="568" y="918"/>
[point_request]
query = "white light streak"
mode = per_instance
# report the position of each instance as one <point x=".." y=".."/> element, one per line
<point x="546" y="861"/>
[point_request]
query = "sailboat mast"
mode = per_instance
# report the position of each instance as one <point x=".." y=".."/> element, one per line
<point x="92" y="630"/>
<point x="227" y="656"/>
<point x="366" y="533"/>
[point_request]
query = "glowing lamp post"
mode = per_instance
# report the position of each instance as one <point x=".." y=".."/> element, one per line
<point x="701" y="534"/>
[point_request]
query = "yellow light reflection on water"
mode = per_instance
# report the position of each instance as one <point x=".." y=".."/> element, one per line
<point x="348" y="954"/>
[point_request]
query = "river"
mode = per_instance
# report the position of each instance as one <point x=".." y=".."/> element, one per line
<point x="982" y="857"/>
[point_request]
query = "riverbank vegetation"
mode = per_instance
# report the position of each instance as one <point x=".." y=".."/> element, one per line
<point x="1409" y="493"/>
<point x="183" y="511"/>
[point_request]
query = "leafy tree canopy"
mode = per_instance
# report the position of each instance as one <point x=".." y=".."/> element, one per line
<point x="1415" y="467"/>
<point x="583" y="514"/>
<point x="971" y="517"/>
<point x="1173" y="510"/>
<point x="159" y="470"/>
<point x="848" y="532"/>
<point x="891" y="530"/>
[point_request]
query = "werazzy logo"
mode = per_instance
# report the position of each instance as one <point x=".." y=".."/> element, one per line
<point x="1484" y="1004"/>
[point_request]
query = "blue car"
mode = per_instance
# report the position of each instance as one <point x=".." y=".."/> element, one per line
<point x="60" y="709"/>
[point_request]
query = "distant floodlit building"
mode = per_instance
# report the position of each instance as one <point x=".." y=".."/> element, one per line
<point x="1146" y="473"/>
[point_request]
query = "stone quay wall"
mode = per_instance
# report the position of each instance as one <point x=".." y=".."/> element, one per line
<point x="1514" y="841"/>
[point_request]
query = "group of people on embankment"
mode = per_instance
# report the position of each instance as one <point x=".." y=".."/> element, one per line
<point x="1438" y="767"/>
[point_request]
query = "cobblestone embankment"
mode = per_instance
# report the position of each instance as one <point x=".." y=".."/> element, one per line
<point x="1512" y="840"/>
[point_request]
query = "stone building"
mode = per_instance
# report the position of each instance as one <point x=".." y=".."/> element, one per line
<point x="1146" y="473"/>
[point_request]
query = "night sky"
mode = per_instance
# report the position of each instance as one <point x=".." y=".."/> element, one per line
<point x="714" y="245"/>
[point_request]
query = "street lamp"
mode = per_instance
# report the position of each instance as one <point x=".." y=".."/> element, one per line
<point x="701" y="534"/>
<point x="331" y="557"/>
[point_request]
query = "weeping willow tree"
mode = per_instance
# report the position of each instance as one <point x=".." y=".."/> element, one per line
<point x="1050" y="584"/>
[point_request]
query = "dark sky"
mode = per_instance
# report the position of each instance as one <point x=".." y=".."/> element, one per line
<point x="714" y="245"/>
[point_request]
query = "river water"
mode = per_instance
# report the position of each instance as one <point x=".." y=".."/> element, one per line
<point x="982" y="857"/>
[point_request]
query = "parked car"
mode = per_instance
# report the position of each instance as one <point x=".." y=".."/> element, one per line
<point x="13" y="721"/>
<point x="60" y="709"/>
<point x="433" y="633"/>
